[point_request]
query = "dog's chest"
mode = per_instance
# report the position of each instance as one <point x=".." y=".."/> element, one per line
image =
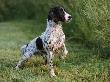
<point x="54" y="37"/>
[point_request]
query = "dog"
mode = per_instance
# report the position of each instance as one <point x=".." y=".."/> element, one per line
<point x="50" y="41"/>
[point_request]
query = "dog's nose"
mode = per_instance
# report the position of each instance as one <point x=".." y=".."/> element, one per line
<point x="69" y="17"/>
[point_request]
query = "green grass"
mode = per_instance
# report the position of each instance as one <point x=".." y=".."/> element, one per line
<point x="81" y="64"/>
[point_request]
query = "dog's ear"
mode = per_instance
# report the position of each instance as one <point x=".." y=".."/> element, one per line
<point x="52" y="15"/>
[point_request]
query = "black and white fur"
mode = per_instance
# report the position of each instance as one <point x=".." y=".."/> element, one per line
<point x="50" y="41"/>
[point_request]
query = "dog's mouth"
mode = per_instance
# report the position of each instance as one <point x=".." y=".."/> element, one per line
<point x="69" y="19"/>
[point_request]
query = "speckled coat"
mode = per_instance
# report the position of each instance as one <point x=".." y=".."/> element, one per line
<point x="53" y="38"/>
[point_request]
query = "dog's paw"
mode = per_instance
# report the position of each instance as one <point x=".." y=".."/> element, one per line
<point x="17" y="68"/>
<point x="63" y="57"/>
<point x="65" y="52"/>
<point x="52" y="74"/>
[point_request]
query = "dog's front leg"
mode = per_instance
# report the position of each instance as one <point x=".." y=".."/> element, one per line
<point x="65" y="52"/>
<point x="50" y="63"/>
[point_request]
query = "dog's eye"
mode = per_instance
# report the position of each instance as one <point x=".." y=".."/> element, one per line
<point x="62" y="9"/>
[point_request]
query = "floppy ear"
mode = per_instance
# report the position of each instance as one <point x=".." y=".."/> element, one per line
<point x="52" y="16"/>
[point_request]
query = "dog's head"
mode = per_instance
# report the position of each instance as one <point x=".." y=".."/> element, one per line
<point x="59" y="14"/>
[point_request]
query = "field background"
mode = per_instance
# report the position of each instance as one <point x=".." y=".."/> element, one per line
<point x="87" y="39"/>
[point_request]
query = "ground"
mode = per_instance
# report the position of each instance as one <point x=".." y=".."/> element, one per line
<point x="81" y="64"/>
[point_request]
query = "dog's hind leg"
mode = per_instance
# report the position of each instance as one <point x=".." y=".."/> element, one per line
<point x="26" y="52"/>
<point x="22" y="60"/>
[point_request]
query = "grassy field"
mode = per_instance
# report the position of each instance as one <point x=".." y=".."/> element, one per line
<point x="81" y="64"/>
<point x="87" y="39"/>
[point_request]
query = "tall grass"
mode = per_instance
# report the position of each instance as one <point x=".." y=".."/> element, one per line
<point x="91" y="22"/>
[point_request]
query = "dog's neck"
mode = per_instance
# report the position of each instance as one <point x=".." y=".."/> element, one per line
<point x="52" y="24"/>
<point x="52" y="29"/>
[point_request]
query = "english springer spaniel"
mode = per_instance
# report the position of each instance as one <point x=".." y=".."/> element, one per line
<point x="50" y="41"/>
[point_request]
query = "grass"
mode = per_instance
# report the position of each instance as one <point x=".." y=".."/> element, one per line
<point x="81" y="64"/>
